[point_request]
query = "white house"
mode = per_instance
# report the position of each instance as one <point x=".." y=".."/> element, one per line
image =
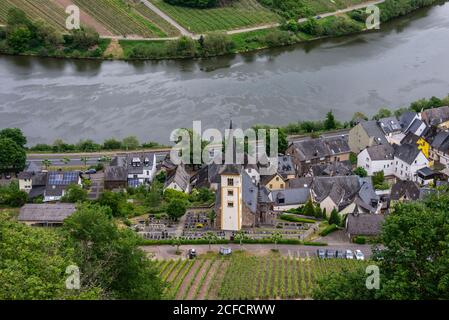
<point x="377" y="158"/>
<point x="141" y="168"/>
<point x="178" y="180"/>
<point x="408" y="160"/>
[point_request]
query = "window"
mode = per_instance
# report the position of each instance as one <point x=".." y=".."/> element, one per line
<point x="282" y="186"/>
<point x="230" y="181"/>
<point x="271" y="186"/>
<point x="230" y="193"/>
<point x="277" y="178"/>
<point x="230" y="204"/>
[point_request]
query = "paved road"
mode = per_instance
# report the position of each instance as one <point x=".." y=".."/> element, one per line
<point x="168" y="252"/>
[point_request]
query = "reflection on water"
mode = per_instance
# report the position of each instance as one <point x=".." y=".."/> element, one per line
<point x="74" y="99"/>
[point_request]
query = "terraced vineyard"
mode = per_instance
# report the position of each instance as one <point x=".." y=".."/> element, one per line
<point x="120" y="18"/>
<point x="243" y="276"/>
<point x="36" y="9"/>
<point x="241" y="13"/>
<point x="166" y="27"/>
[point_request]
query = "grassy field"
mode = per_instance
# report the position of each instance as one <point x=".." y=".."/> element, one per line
<point x="36" y="9"/>
<point x="243" y="276"/>
<point x="242" y="13"/>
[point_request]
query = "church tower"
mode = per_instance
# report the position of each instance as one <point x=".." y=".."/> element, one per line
<point x="231" y="197"/>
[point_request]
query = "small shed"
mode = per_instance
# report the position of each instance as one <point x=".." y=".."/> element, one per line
<point x="48" y="214"/>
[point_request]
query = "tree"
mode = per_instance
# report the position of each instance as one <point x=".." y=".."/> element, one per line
<point x="14" y="134"/>
<point x="308" y="209"/>
<point x="33" y="264"/>
<point x="211" y="237"/>
<point x="74" y="193"/>
<point x="212" y="216"/>
<point x="357" y="118"/>
<point x="112" y="144"/>
<point x="130" y="143"/>
<point x="329" y="122"/>
<point x="176" y="208"/>
<point x="113" y="201"/>
<point x="382" y="113"/>
<point x="334" y="217"/>
<point x="275" y="237"/>
<point x="239" y="236"/>
<point x="46" y="163"/>
<point x="18" y="38"/>
<point x="216" y="44"/>
<point x="378" y="178"/>
<point x="84" y="160"/>
<point x="361" y="172"/>
<point x="66" y="160"/>
<point x="12" y="196"/>
<point x="12" y="156"/>
<point x="161" y="176"/>
<point x="177" y="242"/>
<point x="109" y="257"/>
<point x="84" y="38"/>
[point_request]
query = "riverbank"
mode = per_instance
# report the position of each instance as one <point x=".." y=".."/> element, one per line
<point x="328" y="25"/>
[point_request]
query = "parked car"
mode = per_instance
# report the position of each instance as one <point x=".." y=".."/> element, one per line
<point x="349" y="254"/>
<point x="192" y="253"/>
<point x="320" y="254"/>
<point x="339" y="254"/>
<point x="318" y="17"/>
<point x="90" y="171"/>
<point x="330" y="254"/>
<point x="359" y="255"/>
<point x="225" y="251"/>
<point x="7" y="176"/>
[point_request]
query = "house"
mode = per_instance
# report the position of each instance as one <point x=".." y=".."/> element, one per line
<point x="408" y="159"/>
<point x="45" y="214"/>
<point x="141" y="168"/>
<point x="404" y="191"/>
<point x="286" y="167"/>
<point x="178" y="180"/>
<point x="377" y="158"/>
<point x="391" y="128"/>
<point x="308" y="152"/>
<point x="207" y="177"/>
<point x="239" y="202"/>
<point x="289" y="198"/>
<point x="58" y="182"/>
<point x="407" y="118"/>
<point x="426" y="176"/>
<point x="439" y="148"/>
<point x="115" y="177"/>
<point x="272" y="182"/>
<point x="362" y="224"/>
<point x="365" y="134"/>
<point x="438" y="117"/>
<point x="417" y="127"/>
<point x="343" y="168"/>
<point x="420" y="141"/>
<point x="33" y="183"/>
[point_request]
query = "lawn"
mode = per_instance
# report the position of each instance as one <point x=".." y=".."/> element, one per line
<point x="36" y="9"/>
<point x="244" y="276"/>
<point x="239" y="14"/>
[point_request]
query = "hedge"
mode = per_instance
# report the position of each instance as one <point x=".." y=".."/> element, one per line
<point x="359" y="240"/>
<point x="291" y="218"/>
<point x="328" y="230"/>
<point x="145" y="242"/>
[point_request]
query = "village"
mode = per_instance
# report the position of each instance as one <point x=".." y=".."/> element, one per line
<point x="342" y="182"/>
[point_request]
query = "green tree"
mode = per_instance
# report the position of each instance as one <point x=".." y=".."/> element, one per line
<point x="112" y="144"/>
<point x="110" y="257"/>
<point x="240" y="236"/>
<point x="378" y="178"/>
<point x="74" y="193"/>
<point x="46" y="163"/>
<point x="212" y="216"/>
<point x="161" y="176"/>
<point x="330" y="123"/>
<point x="18" y="38"/>
<point x="309" y="208"/>
<point x="14" y="134"/>
<point x="382" y="113"/>
<point x="84" y="160"/>
<point x="12" y="196"/>
<point x="66" y="160"/>
<point x="361" y="172"/>
<point x="112" y="200"/>
<point x="211" y="237"/>
<point x="84" y="38"/>
<point x="12" y="156"/>
<point x="177" y="242"/>
<point x="275" y="237"/>
<point x="334" y="217"/>
<point x="176" y="208"/>
<point x="357" y="118"/>
<point x="130" y="143"/>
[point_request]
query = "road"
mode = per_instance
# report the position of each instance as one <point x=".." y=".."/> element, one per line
<point x="168" y="252"/>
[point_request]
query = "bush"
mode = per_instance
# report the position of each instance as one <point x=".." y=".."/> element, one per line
<point x="215" y="44"/>
<point x="291" y="218"/>
<point x="74" y="193"/>
<point x="184" y="47"/>
<point x="83" y="38"/>
<point x="359" y="240"/>
<point x="276" y="38"/>
<point x="11" y="195"/>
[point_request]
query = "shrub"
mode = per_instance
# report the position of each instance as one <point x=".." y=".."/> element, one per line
<point x="329" y="229"/>
<point x="194" y="3"/>
<point x="277" y="38"/>
<point x="216" y="43"/>
<point x="291" y="218"/>
<point x="184" y="47"/>
<point x="359" y="240"/>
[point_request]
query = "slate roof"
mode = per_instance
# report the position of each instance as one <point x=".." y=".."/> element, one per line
<point x="180" y="177"/>
<point x="367" y="195"/>
<point x="407" y="152"/>
<point x="435" y="116"/>
<point x="309" y="149"/>
<point x="381" y="152"/>
<point x="250" y="192"/>
<point x="339" y="168"/>
<point x="206" y="175"/>
<point x="410" y="138"/>
<point x="373" y="131"/>
<point x="297" y="196"/>
<point x="441" y="141"/>
<point x="264" y="179"/>
<point x="33" y="167"/>
<point x="232" y="169"/>
<point x="285" y="165"/>
<point x="137" y="162"/>
<point x="407" y="189"/>
<point x="340" y="189"/>
<point x="415" y="126"/>
<point x="115" y="173"/>
<point x="57" y="182"/>
<point x="364" y="224"/>
<point x="302" y="182"/>
<point x="426" y="173"/>
<point x="406" y="119"/>
<point x="389" y="125"/>
<point x="46" y="212"/>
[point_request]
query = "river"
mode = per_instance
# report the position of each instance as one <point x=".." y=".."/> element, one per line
<point x="406" y="60"/>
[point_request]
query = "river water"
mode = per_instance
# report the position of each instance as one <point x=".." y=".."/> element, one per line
<point x="406" y="60"/>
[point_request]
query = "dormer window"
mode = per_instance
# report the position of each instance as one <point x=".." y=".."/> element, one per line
<point x="230" y="182"/>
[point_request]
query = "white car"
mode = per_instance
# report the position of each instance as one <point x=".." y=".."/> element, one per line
<point x="359" y="255"/>
<point x="349" y="255"/>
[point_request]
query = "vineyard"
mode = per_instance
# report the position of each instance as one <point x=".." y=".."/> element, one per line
<point x="46" y="10"/>
<point x="241" y="13"/>
<point x="243" y="276"/>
